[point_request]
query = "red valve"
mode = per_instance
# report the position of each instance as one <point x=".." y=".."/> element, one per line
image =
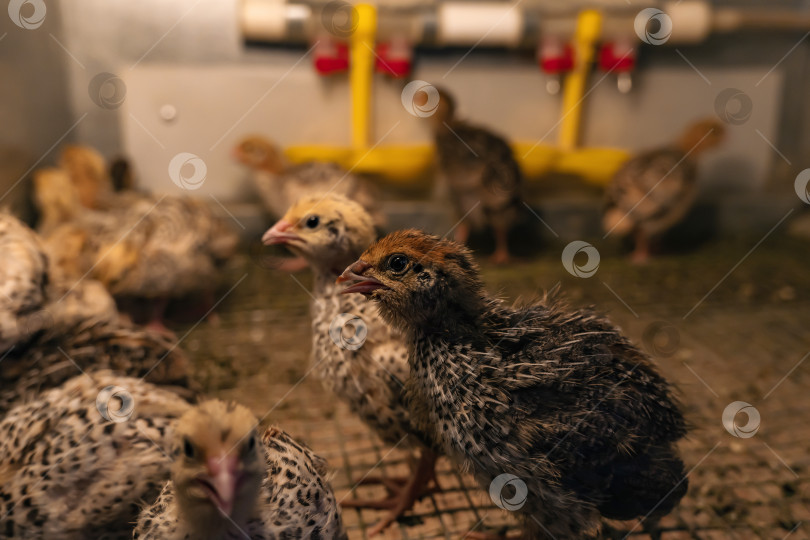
<point x="393" y="59"/>
<point x="331" y="57"/>
<point x="617" y="57"/>
<point x="556" y="58"/>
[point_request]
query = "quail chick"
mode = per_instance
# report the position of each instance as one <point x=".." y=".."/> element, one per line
<point x="89" y="174"/>
<point x="655" y="189"/>
<point x="280" y="184"/>
<point x="74" y="464"/>
<point x="23" y="276"/>
<point x="556" y="397"/>
<point x="228" y="483"/>
<point x="142" y="247"/>
<point x="51" y="329"/>
<point x="355" y="354"/>
<point x="481" y="174"/>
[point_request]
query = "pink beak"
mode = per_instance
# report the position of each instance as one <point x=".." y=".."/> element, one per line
<point x="364" y="285"/>
<point x="278" y="234"/>
<point x="222" y="481"/>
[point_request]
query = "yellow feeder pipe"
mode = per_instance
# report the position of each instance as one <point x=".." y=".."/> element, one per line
<point x="361" y="73"/>
<point x="589" y="27"/>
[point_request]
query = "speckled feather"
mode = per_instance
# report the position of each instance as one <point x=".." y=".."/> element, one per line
<point x="370" y="379"/>
<point x="295" y="500"/>
<point x="483" y="177"/>
<point x="148" y="247"/>
<point x="23" y="277"/>
<point x="555" y="396"/>
<point x="61" y="327"/>
<point x="654" y="190"/>
<point x="68" y="473"/>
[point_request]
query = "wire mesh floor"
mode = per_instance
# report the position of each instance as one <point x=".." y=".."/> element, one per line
<point x="746" y="340"/>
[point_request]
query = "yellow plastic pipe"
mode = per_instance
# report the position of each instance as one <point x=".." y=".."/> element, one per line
<point x="589" y="27"/>
<point x="361" y="72"/>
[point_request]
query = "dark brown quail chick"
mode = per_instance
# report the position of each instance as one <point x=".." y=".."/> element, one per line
<point x="481" y="173"/>
<point x="355" y="353"/>
<point x="655" y="189"/>
<point x="77" y="460"/>
<point x="556" y="397"/>
<point x="230" y="481"/>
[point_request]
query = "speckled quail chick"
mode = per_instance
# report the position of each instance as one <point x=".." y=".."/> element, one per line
<point x="481" y="174"/>
<point x="355" y="353"/>
<point x="228" y="481"/>
<point x="655" y="189"/>
<point x="557" y="397"/>
<point x="154" y="248"/>
<point x="77" y="460"/>
<point x="51" y="329"/>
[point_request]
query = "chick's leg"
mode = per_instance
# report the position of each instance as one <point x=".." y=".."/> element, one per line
<point x="501" y="254"/>
<point x="462" y="233"/>
<point x="403" y="494"/>
<point x="641" y="253"/>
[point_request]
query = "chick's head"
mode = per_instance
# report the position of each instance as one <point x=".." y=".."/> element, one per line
<point x="417" y="278"/>
<point x="702" y="135"/>
<point x="218" y="461"/>
<point x="259" y="153"/>
<point x="329" y="231"/>
<point x="88" y="172"/>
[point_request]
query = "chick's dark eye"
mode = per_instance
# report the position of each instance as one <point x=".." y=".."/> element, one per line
<point x="251" y="443"/>
<point x="398" y="262"/>
<point x="312" y="221"/>
<point x="188" y="448"/>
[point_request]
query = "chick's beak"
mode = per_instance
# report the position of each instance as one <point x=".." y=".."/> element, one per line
<point x="279" y="234"/>
<point x="222" y="481"/>
<point x="363" y="284"/>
